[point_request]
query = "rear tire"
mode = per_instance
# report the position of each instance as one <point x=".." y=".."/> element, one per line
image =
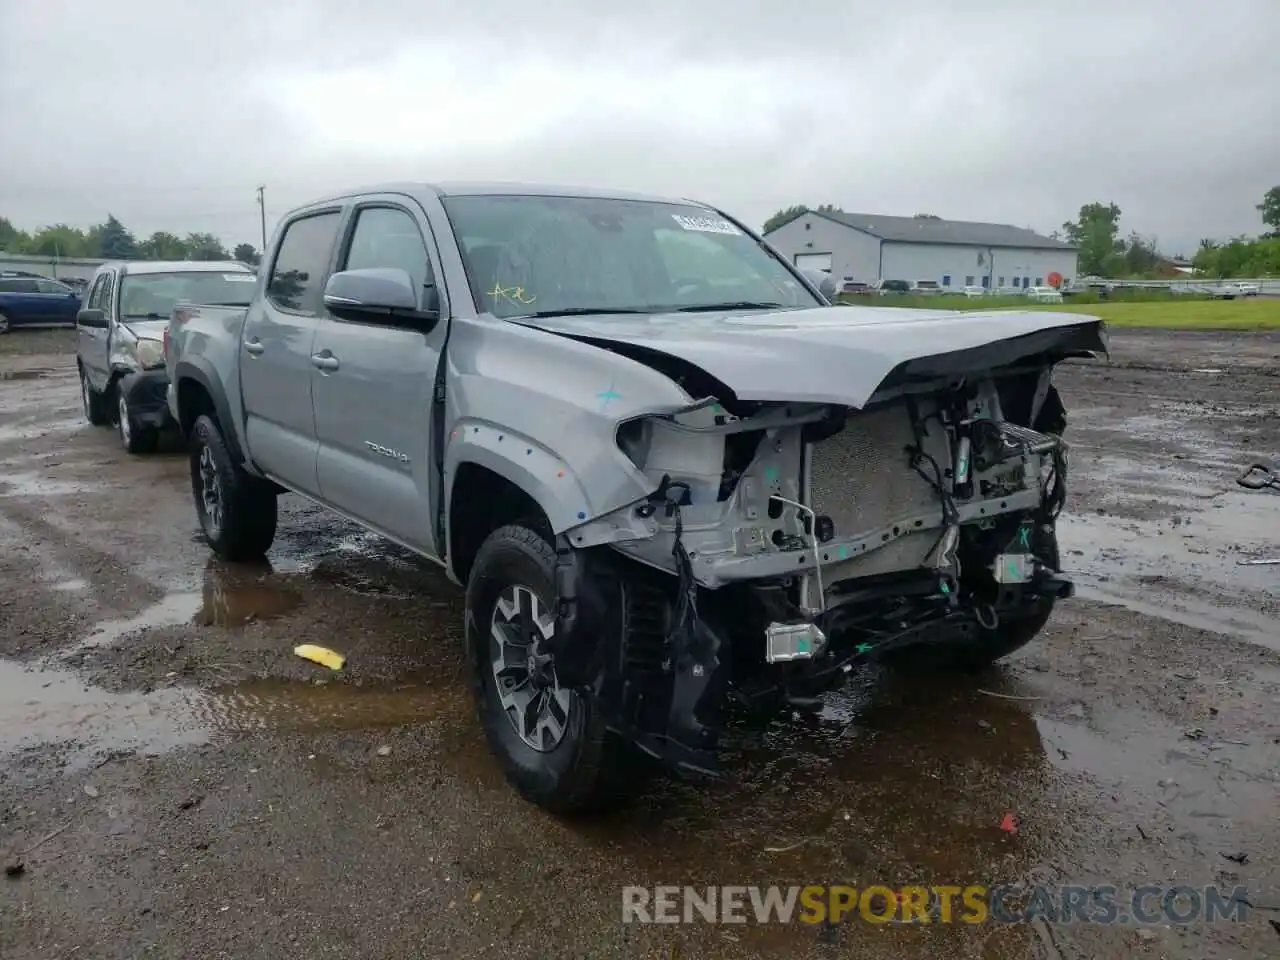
<point x="134" y="438"/>
<point x="576" y="773"/>
<point x="96" y="410"/>
<point x="237" y="511"/>
<point x="4" y="323"/>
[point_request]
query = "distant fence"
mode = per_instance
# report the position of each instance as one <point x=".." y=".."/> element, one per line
<point x="1267" y="287"/>
<point x="59" y="268"/>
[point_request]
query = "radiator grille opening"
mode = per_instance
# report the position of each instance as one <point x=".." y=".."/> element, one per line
<point x="863" y="480"/>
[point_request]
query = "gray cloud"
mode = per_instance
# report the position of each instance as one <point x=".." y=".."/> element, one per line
<point x="168" y="115"/>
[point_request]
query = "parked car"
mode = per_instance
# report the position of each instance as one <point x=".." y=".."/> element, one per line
<point x="673" y="480"/>
<point x="973" y="292"/>
<point x="119" y="341"/>
<point x="857" y="288"/>
<point x="1043" y="294"/>
<point x="27" y="298"/>
<point x="1238" y="288"/>
<point x="894" y="286"/>
<point x="926" y="287"/>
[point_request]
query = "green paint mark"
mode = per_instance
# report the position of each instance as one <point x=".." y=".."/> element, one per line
<point x="865" y="647"/>
<point x="844" y="553"/>
<point x="1013" y="567"/>
<point x="771" y="476"/>
<point x="946" y="587"/>
<point x="1024" y="537"/>
<point x="803" y="646"/>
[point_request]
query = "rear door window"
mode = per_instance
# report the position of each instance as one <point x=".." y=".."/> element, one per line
<point x="302" y="260"/>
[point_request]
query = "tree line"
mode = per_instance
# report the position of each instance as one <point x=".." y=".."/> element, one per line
<point x="1104" y="252"/>
<point x="111" y="240"/>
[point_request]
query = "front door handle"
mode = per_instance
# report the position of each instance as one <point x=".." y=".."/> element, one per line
<point x="325" y="361"/>
<point x="254" y="346"/>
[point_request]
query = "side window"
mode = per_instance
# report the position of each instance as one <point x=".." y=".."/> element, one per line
<point x="301" y="261"/>
<point x="388" y="237"/>
<point x="19" y="285"/>
<point x="52" y="286"/>
<point x="108" y="284"/>
<point x="95" y="296"/>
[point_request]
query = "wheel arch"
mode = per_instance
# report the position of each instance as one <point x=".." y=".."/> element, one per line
<point x="199" y="392"/>
<point x="484" y="497"/>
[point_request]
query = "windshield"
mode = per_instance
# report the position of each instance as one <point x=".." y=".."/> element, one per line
<point x="540" y="255"/>
<point x="152" y="296"/>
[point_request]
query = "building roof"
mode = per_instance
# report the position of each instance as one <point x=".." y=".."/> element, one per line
<point x="929" y="230"/>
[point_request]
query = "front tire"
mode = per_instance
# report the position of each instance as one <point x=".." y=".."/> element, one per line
<point x="979" y="647"/>
<point x="134" y="438"/>
<point x="95" y="406"/>
<point x="237" y="511"/>
<point x="552" y="743"/>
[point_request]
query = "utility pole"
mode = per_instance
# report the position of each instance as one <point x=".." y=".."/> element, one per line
<point x="262" y="209"/>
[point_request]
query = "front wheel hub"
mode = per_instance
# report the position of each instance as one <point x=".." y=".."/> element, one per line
<point x="524" y="674"/>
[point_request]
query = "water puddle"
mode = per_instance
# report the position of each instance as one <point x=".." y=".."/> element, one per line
<point x="1256" y="627"/>
<point x="49" y="706"/>
<point x="1168" y="543"/>
<point x="229" y="598"/>
<point x="27" y="484"/>
<point x="30" y="431"/>
<point x="1202" y="779"/>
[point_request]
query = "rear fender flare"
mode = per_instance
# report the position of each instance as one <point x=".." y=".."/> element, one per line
<point x="199" y="370"/>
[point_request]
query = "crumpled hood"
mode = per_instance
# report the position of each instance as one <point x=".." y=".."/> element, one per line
<point x="147" y="329"/>
<point x="837" y="354"/>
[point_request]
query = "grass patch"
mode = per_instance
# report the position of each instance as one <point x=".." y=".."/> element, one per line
<point x="1248" y="313"/>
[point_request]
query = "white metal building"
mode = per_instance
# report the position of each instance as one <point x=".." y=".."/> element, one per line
<point x="951" y="253"/>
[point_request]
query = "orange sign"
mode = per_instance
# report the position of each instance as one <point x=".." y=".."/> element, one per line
<point x="1055" y="280"/>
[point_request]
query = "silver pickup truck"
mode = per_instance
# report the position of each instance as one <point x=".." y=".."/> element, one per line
<point x="119" y="338"/>
<point x="675" y="482"/>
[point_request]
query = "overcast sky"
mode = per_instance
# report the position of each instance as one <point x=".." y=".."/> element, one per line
<point x="170" y="114"/>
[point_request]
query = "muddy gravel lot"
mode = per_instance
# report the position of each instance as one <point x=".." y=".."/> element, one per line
<point x="175" y="783"/>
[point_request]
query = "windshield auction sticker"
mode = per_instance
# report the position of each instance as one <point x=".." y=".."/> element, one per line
<point x="706" y="225"/>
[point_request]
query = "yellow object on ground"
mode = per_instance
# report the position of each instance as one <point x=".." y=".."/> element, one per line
<point x="321" y="655"/>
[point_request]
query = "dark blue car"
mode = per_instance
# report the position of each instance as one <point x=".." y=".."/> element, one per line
<point x="25" y="298"/>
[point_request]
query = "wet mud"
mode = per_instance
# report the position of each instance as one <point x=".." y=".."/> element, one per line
<point x="176" y="782"/>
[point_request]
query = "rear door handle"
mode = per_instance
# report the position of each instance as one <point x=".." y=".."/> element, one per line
<point x="325" y="361"/>
<point x="254" y="346"/>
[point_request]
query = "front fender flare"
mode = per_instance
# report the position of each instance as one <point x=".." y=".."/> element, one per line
<point x="531" y="466"/>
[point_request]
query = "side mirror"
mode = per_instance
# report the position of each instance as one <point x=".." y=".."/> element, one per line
<point x="822" y="280"/>
<point x="379" y="293"/>
<point x="91" y="318"/>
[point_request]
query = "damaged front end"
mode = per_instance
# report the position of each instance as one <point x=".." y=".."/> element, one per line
<point x="785" y="542"/>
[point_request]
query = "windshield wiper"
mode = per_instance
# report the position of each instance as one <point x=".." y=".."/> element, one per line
<point x="730" y="305"/>
<point x="579" y="312"/>
<point x="145" y="316"/>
